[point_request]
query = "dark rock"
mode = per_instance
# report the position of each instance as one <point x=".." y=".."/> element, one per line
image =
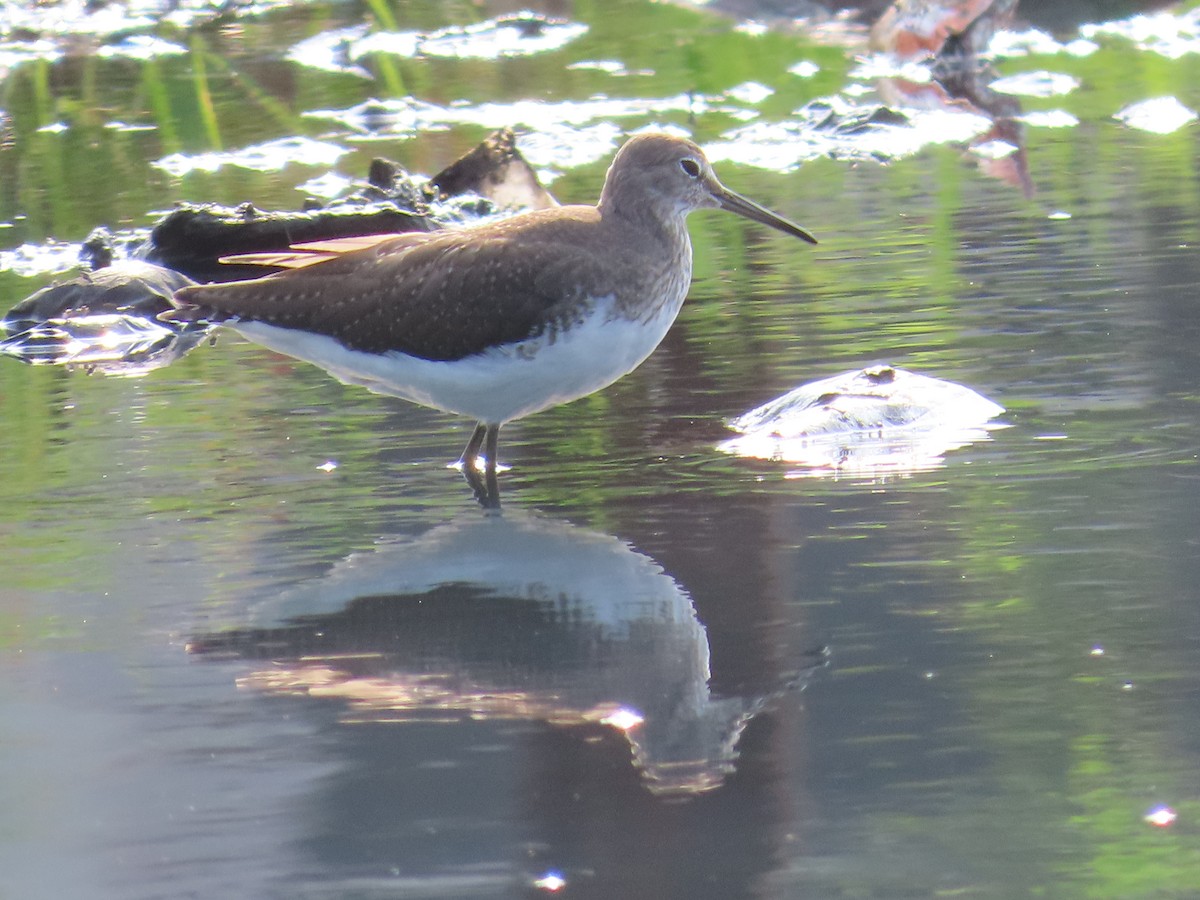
<point x="193" y="238"/>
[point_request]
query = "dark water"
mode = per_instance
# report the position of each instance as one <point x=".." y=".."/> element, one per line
<point x="230" y="670"/>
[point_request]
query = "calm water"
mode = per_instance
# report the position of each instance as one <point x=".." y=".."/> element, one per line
<point x="231" y="670"/>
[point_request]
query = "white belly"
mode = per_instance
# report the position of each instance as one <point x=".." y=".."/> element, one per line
<point x="496" y="386"/>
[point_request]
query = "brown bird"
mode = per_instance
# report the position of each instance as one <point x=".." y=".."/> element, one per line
<point x="503" y="319"/>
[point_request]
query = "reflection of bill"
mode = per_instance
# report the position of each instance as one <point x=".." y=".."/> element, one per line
<point x="499" y="617"/>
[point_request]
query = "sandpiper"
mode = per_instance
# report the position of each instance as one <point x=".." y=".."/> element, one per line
<point x="500" y="320"/>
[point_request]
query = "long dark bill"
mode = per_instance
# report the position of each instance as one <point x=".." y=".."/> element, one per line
<point x="736" y="203"/>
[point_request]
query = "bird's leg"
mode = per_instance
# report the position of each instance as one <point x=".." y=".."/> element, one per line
<point x="493" y="487"/>
<point x="485" y="488"/>
<point x="471" y="453"/>
<point x="470" y="457"/>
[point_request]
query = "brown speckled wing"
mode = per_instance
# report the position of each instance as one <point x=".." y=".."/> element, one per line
<point x="441" y="296"/>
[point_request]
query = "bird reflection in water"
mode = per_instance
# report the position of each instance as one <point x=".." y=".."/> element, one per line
<point x="505" y="617"/>
<point x="954" y="36"/>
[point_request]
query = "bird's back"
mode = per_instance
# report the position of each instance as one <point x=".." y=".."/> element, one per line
<point x="452" y="294"/>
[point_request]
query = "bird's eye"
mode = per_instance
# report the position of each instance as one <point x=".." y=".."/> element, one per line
<point x="690" y="166"/>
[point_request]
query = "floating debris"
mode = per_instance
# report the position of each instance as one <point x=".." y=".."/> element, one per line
<point x="752" y="28"/>
<point x="539" y="115"/>
<point x="1081" y="48"/>
<point x="75" y="17"/>
<point x="405" y="117"/>
<point x="564" y="147"/>
<point x="1159" y="115"/>
<point x="875" y="420"/>
<point x="115" y="29"/>
<point x="1035" y="42"/>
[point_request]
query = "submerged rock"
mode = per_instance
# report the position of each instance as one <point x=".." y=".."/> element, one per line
<point x="102" y="321"/>
<point x="127" y="287"/>
<point x="879" y="418"/>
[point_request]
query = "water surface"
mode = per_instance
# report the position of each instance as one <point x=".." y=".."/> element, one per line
<point x="233" y="669"/>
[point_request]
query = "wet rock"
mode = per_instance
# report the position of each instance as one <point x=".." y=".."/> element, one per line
<point x="877" y="419"/>
<point x="870" y="399"/>
<point x="194" y="237"/>
<point x="102" y="320"/>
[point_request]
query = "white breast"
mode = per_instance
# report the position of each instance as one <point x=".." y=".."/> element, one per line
<point x="501" y="384"/>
